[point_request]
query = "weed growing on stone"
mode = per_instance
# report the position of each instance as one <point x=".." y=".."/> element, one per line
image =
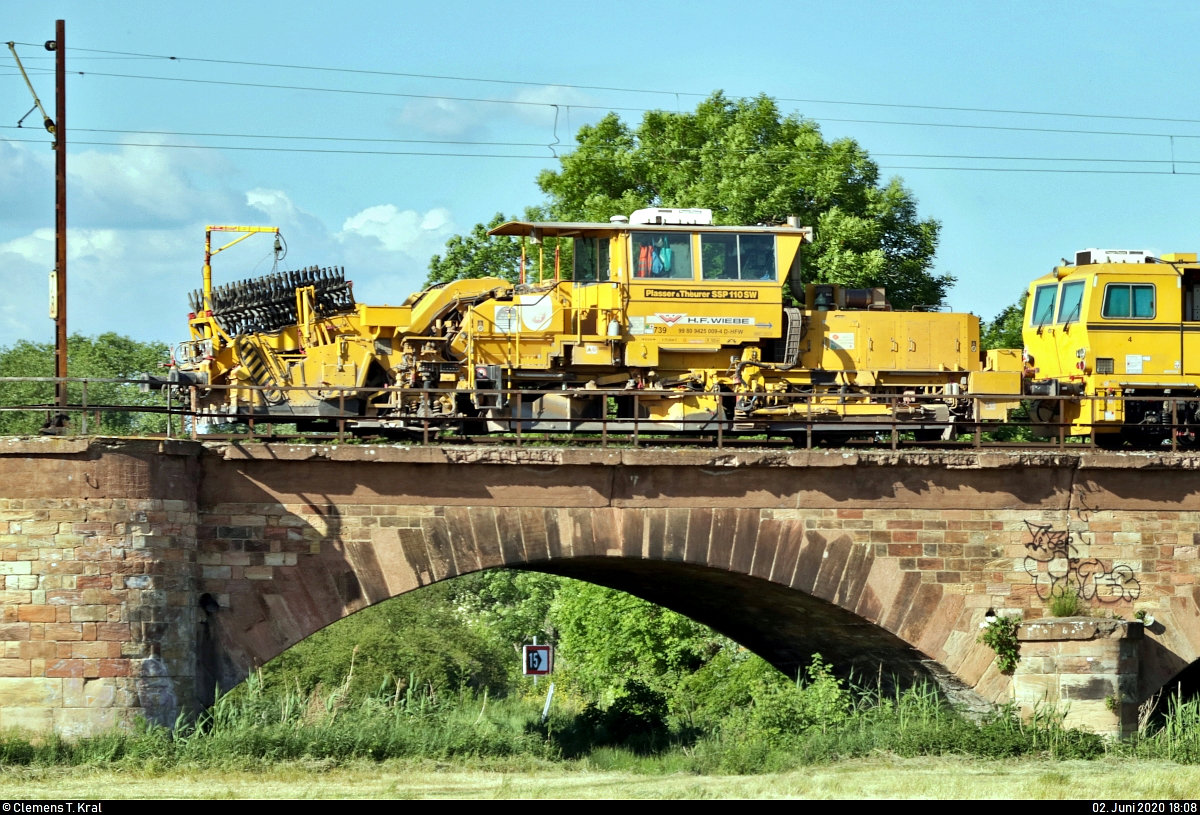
<point x="1067" y="603"/>
<point x="1000" y="634"/>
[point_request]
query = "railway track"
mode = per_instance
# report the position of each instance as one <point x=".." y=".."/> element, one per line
<point x="613" y="441"/>
<point x="183" y="420"/>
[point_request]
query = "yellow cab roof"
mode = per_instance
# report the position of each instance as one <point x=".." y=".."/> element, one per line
<point x="1164" y="268"/>
<point x="566" y="229"/>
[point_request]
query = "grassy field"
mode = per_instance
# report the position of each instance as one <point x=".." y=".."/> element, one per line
<point x="881" y="777"/>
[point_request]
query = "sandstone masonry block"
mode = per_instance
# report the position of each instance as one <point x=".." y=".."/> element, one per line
<point x="96" y="613"/>
<point x="35" y="691"/>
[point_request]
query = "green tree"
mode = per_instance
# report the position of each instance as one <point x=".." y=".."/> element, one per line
<point x="750" y="164"/>
<point x="108" y="356"/>
<point x="607" y="638"/>
<point x="476" y="255"/>
<point x="1005" y="330"/>
<point x="515" y="605"/>
<point x="423" y="635"/>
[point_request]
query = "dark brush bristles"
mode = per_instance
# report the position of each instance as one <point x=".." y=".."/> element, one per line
<point x="268" y="303"/>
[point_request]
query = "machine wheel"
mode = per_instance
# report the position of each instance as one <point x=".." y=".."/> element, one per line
<point x="1109" y="441"/>
<point x="1144" y="437"/>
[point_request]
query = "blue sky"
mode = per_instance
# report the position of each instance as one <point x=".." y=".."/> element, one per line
<point x="137" y="213"/>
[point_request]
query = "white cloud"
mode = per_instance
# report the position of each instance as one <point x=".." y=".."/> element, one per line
<point x="387" y="249"/>
<point x="38" y="246"/>
<point x="136" y="244"/>
<point x="132" y="281"/>
<point x="275" y="203"/>
<point x="444" y="118"/>
<point x="450" y="119"/>
<point x="406" y="231"/>
<point x="540" y="112"/>
<point x="26" y="185"/>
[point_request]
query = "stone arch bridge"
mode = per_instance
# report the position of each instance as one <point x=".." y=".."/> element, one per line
<point x="140" y="574"/>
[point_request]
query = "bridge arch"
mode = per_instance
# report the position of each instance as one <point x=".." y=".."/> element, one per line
<point x="782" y="589"/>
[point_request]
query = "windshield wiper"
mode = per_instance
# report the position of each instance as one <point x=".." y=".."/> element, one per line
<point x="1073" y="316"/>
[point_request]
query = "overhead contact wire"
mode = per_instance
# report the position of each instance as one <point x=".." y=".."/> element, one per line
<point x="590" y="158"/>
<point x="617" y="89"/>
<point x="818" y="119"/>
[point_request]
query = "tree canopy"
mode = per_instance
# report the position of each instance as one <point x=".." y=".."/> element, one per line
<point x="1005" y="330"/>
<point x="750" y="164"/>
<point x="476" y="255"/>
<point x="108" y="356"/>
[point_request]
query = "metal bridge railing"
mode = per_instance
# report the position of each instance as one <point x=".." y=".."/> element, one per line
<point x="800" y="418"/>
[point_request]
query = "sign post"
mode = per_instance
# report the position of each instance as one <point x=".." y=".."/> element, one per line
<point x="538" y="660"/>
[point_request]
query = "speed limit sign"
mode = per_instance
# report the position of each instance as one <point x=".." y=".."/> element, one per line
<point x="537" y="660"/>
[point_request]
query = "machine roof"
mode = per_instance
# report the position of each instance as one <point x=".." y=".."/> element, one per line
<point x="560" y="229"/>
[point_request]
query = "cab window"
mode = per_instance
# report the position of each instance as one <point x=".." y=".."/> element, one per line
<point x="1070" y="304"/>
<point x="737" y="257"/>
<point x="1043" y="305"/>
<point x="591" y="260"/>
<point x="1128" y="301"/>
<point x="719" y="257"/>
<point x="662" y="255"/>
<point x="756" y="254"/>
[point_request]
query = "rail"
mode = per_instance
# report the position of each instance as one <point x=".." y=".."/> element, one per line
<point x="800" y="419"/>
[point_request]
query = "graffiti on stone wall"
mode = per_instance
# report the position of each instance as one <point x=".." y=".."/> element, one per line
<point x="1083" y="510"/>
<point x="1053" y="563"/>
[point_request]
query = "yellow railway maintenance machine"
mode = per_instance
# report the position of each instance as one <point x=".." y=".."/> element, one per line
<point x="685" y="319"/>
<point x="1115" y="325"/>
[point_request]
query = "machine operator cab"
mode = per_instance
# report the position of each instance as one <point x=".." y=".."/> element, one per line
<point x="1117" y="322"/>
<point x="663" y="280"/>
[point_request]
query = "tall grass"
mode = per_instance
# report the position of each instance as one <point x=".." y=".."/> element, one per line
<point x="1067" y="603"/>
<point x="1175" y="737"/>
<point x="912" y="722"/>
<point x="398" y="722"/>
<point x="815" y="720"/>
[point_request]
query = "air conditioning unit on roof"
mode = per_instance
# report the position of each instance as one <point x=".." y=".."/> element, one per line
<point x="1088" y="256"/>
<point x="673" y="217"/>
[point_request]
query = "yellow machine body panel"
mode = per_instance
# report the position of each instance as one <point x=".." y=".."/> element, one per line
<point x="891" y="342"/>
<point x="1113" y="325"/>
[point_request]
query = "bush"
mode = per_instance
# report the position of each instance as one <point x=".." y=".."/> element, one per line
<point x="636" y="719"/>
<point x="1000" y="634"/>
<point x="786" y="710"/>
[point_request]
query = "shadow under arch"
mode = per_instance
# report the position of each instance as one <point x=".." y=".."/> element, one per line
<point x="784" y="626"/>
<point x="1158" y="662"/>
